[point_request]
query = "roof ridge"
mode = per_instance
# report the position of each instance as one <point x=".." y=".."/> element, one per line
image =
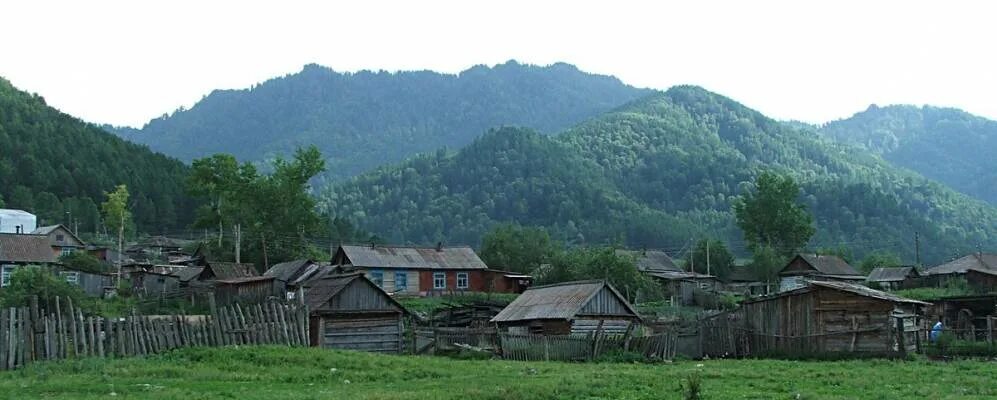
<point x="584" y="282"/>
<point x="403" y="246"/>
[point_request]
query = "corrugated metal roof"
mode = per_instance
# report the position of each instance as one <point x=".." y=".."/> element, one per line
<point x="891" y="274"/>
<point x="235" y="281"/>
<point x="21" y="248"/>
<point x="318" y="292"/>
<point x="977" y="261"/>
<point x="462" y="257"/>
<point x="842" y="286"/>
<point x="558" y="301"/>
<point x="287" y="271"/>
<point x="650" y="260"/>
<point x="45" y="230"/>
<point x="680" y="275"/>
<point x="829" y="264"/>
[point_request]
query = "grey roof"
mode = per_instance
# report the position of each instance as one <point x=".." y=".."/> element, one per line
<point x="188" y="273"/>
<point x="650" y="260"/>
<point x="829" y="264"/>
<point x="287" y="271"/>
<point x="21" y="248"/>
<point x="680" y="275"/>
<point x="318" y="292"/>
<point x="452" y="258"/>
<point x="230" y="270"/>
<point x="891" y="274"/>
<point x="842" y="286"/>
<point x="742" y="274"/>
<point x="558" y="301"/>
<point x="45" y="230"/>
<point x="977" y="261"/>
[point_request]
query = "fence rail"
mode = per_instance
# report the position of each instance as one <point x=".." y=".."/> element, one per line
<point x="583" y="348"/>
<point x="29" y="334"/>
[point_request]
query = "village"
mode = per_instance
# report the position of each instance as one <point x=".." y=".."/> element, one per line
<point x="373" y="298"/>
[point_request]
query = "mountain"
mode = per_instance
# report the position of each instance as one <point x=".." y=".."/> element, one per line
<point x="363" y="120"/>
<point x="52" y="163"/>
<point x="945" y="144"/>
<point x="656" y="172"/>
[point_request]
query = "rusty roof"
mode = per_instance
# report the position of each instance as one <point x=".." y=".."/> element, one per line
<point x="378" y="256"/>
<point x="557" y="301"/>
<point x="977" y="261"/>
<point x="891" y="274"/>
<point x="26" y="248"/>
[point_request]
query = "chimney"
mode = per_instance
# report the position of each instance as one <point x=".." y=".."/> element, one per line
<point x="439" y="246"/>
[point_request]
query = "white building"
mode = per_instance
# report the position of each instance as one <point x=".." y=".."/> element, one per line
<point x="17" y="221"/>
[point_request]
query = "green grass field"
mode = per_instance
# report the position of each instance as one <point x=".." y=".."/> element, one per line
<point x="282" y="373"/>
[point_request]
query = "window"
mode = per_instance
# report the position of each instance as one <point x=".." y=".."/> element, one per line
<point x="5" y="273"/>
<point x="71" y="277"/>
<point x="60" y="238"/>
<point x="462" y="280"/>
<point x="439" y="280"/>
<point x="377" y="277"/>
<point x="401" y="281"/>
<point x="65" y="251"/>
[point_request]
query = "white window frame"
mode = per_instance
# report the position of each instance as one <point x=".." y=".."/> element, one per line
<point x="65" y="251"/>
<point x="401" y="284"/>
<point x="71" y="277"/>
<point x="467" y="280"/>
<point x="6" y="272"/>
<point x="439" y="277"/>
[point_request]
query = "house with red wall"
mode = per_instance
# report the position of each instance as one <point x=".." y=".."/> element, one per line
<point x="427" y="270"/>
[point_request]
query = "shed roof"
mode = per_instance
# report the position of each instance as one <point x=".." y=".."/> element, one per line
<point x="650" y="260"/>
<point x="451" y="258"/>
<point x="680" y="275"/>
<point x="558" y="301"/>
<point x="742" y="274"/>
<point x="229" y="270"/>
<point x="287" y="271"/>
<point x="188" y="273"/>
<point x="977" y="261"/>
<point x="891" y="274"/>
<point x="249" y="279"/>
<point x="320" y="291"/>
<point x="21" y="248"/>
<point x="828" y="264"/>
<point x="844" y="287"/>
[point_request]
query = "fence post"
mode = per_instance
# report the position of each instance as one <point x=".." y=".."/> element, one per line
<point x="546" y="348"/>
<point x="990" y="329"/>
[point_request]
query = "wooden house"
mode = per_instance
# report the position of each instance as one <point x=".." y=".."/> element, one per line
<point x="822" y="267"/>
<point x="61" y="239"/>
<point x="248" y="290"/>
<point x="681" y="286"/>
<point x="295" y="274"/>
<point x="569" y="308"/>
<point x="153" y="284"/>
<point x="95" y="284"/>
<point x="830" y="316"/>
<point x="422" y="270"/>
<point x="744" y="281"/>
<point x="966" y="316"/>
<point x="22" y="249"/>
<point x="939" y="275"/>
<point x="982" y="280"/>
<point x="350" y="312"/>
<point x="893" y="278"/>
<point x="215" y="270"/>
<point x="650" y="260"/>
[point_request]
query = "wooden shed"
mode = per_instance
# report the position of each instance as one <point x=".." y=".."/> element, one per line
<point x="893" y="277"/>
<point x="826" y="316"/>
<point x="350" y="312"/>
<point x="568" y="308"/>
<point x="154" y="284"/>
<point x="817" y="267"/>
<point x="249" y="290"/>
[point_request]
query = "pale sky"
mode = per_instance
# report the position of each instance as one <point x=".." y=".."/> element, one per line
<point x="125" y="62"/>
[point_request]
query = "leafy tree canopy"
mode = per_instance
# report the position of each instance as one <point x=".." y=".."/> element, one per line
<point x="771" y="217"/>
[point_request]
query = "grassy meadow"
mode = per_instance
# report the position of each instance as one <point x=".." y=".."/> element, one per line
<point x="280" y="373"/>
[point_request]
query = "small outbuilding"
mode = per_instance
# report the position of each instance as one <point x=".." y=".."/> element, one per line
<point x="893" y="278"/>
<point x="295" y="274"/>
<point x="350" y="312"/>
<point x="254" y="289"/>
<point x="569" y="308"/>
<point x="817" y="267"/>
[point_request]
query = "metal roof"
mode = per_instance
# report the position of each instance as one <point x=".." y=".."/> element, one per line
<point x="318" y="292"/>
<point x="21" y="248"/>
<point x="558" y="301"/>
<point x="844" y="287"/>
<point x="891" y="274"/>
<point x="188" y="273"/>
<point x="287" y="271"/>
<point x="230" y="270"/>
<point x="829" y="264"/>
<point x="650" y="260"/>
<point x="235" y="281"/>
<point x="977" y="261"/>
<point x="451" y="258"/>
<point x="680" y="275"/>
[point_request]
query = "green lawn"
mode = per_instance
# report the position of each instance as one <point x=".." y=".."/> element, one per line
<point x="281" y="373"/>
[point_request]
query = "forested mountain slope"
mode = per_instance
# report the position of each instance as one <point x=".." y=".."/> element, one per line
<point x="651" y="172"/>
<point x="945" y="144"/>
<point x="363" y="120"/>
<point x="51" y="163"/>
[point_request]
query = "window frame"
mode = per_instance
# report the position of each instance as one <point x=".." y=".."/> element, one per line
<point x="66" y="275"/>
<point x="65" y="251"/>
<point x="401" y="280"/>
<point x="467" y="280"/>
<point x="377" y="277"/>
<point x="6" y="272"/>
<point x="441" y="276"/>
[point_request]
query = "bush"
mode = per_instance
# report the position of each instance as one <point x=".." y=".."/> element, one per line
<point x="82" y="261"/>
<point x="948" y="345"/>
<point x="692" y="390"/>
<point x="621" y="356"/>
<point x="37" y="281"/>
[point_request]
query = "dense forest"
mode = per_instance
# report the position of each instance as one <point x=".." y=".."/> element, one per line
<point x="656" y="172"/>
<point x="945" y="144"/>
<point x="52" y="163"/>
<point x="363" y="120"/>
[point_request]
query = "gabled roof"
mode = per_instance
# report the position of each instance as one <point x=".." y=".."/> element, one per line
<point x="558" y="301"/>
<point x="287" y="271"/>
<point x="21" y="248"/>
<point x="891" y="274"/>
<point x="977" y="261"/>
<point x="742" y="274"/>
<point x="844" y="287"/>
<point x="318" y="292"/>
<point x="228" y="270"/>
<point x="680" y="275"/>
<point x="47" y="230"/>
<point x="827" y="264"/>
<point x="650" y="260"/>
<point x="188" y="273"/>
<point x="449" y="258"/>
<point x="162" y="241"/>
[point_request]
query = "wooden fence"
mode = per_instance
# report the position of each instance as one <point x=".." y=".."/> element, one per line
<point x="29" y="334"/>
<point x="583" y="348"/>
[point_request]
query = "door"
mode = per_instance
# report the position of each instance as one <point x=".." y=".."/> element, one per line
<point x="382" y="334"/>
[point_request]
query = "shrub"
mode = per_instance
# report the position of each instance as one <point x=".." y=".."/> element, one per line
<point x="692" y="390"/>
<point x="621" y="356"/>
<point x="36" y="281"/>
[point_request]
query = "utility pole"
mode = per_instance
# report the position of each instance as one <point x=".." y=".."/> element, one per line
<point x="238" y="243"/>
<point x="917" y="249"/>
<point x="121" y="245"/>
<point x="707" y="256"/>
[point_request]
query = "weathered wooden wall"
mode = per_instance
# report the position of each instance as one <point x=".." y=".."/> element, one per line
<point x="373" y="332"/>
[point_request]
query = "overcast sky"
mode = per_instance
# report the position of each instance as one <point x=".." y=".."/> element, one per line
<point x="125" y="62"/>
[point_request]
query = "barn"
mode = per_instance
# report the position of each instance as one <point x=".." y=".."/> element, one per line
<point x="350" y="312"/>
<point x="827" y="316"/>
<point x="569" y="308"/>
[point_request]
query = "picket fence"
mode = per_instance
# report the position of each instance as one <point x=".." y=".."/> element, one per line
<point x="29" y="334"/>
<point x="584" y="347"/>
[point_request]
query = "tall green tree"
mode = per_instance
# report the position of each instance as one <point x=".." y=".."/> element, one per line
<point x="711" y="256"/>
<point x="770" y="216"/>
<point x="598" y="263"/>
<point x="117" y="215"/>
<point x="219" y="179"/>
<point x="516" y="248"/>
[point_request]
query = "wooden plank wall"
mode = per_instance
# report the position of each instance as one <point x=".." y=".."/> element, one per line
<point x="583" y="347"/>
<point x="30" y="334"/>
